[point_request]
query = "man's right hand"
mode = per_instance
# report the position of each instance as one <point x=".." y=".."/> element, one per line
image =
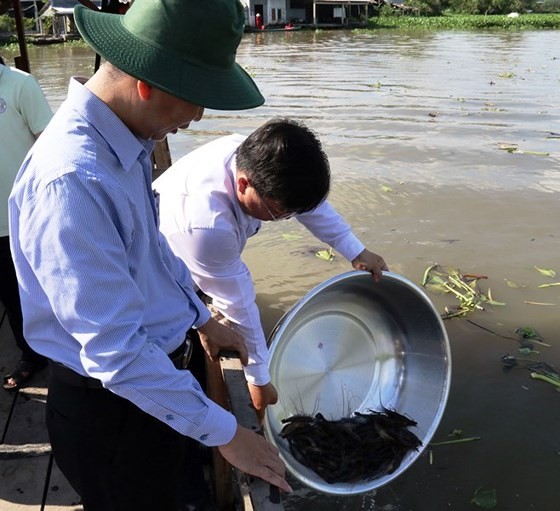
<point x="252" y="454"/>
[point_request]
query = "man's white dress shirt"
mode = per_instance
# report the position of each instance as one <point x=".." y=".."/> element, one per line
<point x="205" y="226"/>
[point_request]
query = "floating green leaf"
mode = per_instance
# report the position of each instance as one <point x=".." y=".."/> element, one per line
<point x="546" y="378"/>
<point x="291" y="237"/>
<point x="527" y="351"/>
<point x="510" y="148"/>
<point x="327" y="255"/>
<point x="386" y="188"/>
<point x="528" y="333"/>
<point x="546" y="272"/>
<point x="550" y="285"/>
<point x="535" y="153"/>
<point x="485" y="498"/>
<point x="539" y="370"/>
<point x="456" y="441"/>
<point x="488" y="298"/>
<point x="514" y="285"/>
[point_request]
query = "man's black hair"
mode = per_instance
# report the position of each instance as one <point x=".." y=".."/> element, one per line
<point x="284" y="162"/>
<point x="2" y="61"/>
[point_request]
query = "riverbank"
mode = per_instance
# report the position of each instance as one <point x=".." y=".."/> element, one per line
<point x="435" y="23"/>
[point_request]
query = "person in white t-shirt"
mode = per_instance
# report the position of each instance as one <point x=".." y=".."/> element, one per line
<point x="24" y="114"/>
<point x="214" y="198"/>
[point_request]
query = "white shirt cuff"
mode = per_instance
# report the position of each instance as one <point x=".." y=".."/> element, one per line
<point x="257" y="374"/>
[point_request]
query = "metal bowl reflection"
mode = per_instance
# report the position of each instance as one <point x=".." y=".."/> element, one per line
<point x="352" y="345"/>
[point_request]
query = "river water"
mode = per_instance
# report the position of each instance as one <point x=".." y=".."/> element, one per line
<point x="416" y="126"/>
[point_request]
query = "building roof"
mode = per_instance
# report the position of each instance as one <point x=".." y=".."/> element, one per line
<point x="62" y="7"/>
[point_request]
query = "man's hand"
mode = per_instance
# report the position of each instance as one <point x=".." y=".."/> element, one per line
<point x="262" y="396"/>
<point x="216" y="337"/>
<point x="371" y="262"/>
<point x="252" y="454"/>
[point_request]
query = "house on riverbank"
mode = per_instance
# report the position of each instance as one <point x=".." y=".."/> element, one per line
<point x="307" y="13"/>
<point x="54" y="19"/>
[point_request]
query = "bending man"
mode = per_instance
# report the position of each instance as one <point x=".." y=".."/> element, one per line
<point x="215" y="198"/>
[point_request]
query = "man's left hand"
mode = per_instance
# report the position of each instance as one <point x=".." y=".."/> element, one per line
<point x="262" y="396"/>
<point x="216" y="337"/>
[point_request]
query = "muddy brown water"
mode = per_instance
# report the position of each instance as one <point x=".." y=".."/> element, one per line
<point x="416" y="126"/>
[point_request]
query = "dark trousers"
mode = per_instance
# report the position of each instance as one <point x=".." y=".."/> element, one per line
<point x="118" y="458"/>
<point x="9" y="295"/>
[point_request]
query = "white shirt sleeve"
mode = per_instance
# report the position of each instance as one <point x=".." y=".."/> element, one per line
<point x="34" y="106"/>
<point x="214" y="259"/>
<point x="326" y="224"/>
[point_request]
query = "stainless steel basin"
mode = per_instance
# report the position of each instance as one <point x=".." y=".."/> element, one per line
<point x="352" y="345"/>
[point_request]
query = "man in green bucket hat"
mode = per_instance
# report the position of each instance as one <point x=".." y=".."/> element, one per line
<point x="103" y="296"/>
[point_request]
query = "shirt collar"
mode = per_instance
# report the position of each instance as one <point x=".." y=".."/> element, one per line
<point x="125" y="144"/>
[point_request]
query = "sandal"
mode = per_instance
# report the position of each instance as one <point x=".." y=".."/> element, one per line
<point x="23" y="372"/>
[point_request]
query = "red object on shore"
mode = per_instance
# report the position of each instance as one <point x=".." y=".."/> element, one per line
<point x="258" y="21"/>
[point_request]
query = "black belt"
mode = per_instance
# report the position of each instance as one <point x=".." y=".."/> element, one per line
<point x="180" y="358"/>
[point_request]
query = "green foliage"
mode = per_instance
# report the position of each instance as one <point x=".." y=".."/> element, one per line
<point x="387" y="10"/>
<point x="7" y="24"/>
<point x="487" y="6"/>
<point x="550" y="6"/>
<point x="47" y="22"/>
<point x="438" y="7"/>
<point x="470" y="22"/>
<point x="426" y="7"/>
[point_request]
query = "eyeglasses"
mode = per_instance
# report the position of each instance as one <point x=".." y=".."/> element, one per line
<point x="275" y="218"/>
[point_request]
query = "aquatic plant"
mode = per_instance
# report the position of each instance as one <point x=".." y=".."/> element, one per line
<point x="462" y="286"/>
<point x="469" y="22"/>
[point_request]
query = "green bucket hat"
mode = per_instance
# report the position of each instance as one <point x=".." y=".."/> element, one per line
<point x="183" y="47"/>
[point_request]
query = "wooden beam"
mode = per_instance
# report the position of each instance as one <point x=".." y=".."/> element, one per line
<point x="223" y="471"/>
<point x="21" y="61"/>
<point x="257" y="494"/>
<point x="161" y="158"/>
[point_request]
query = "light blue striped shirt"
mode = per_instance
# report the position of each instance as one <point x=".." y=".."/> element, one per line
<point x="101" y="291"/>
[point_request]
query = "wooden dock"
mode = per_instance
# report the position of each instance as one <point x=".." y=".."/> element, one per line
<point x="32" y="481"/>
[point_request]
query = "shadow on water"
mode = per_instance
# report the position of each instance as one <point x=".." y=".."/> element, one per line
<point x="416" y="126"/>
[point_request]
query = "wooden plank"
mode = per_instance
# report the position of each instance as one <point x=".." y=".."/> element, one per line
<point x="257" y="494"/>
<point x="161" y="158"/>
<point x="12" y="452"/>
<point x="223" y="481"/>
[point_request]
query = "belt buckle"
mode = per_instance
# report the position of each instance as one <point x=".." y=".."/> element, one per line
<point x="187" y="353"/>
